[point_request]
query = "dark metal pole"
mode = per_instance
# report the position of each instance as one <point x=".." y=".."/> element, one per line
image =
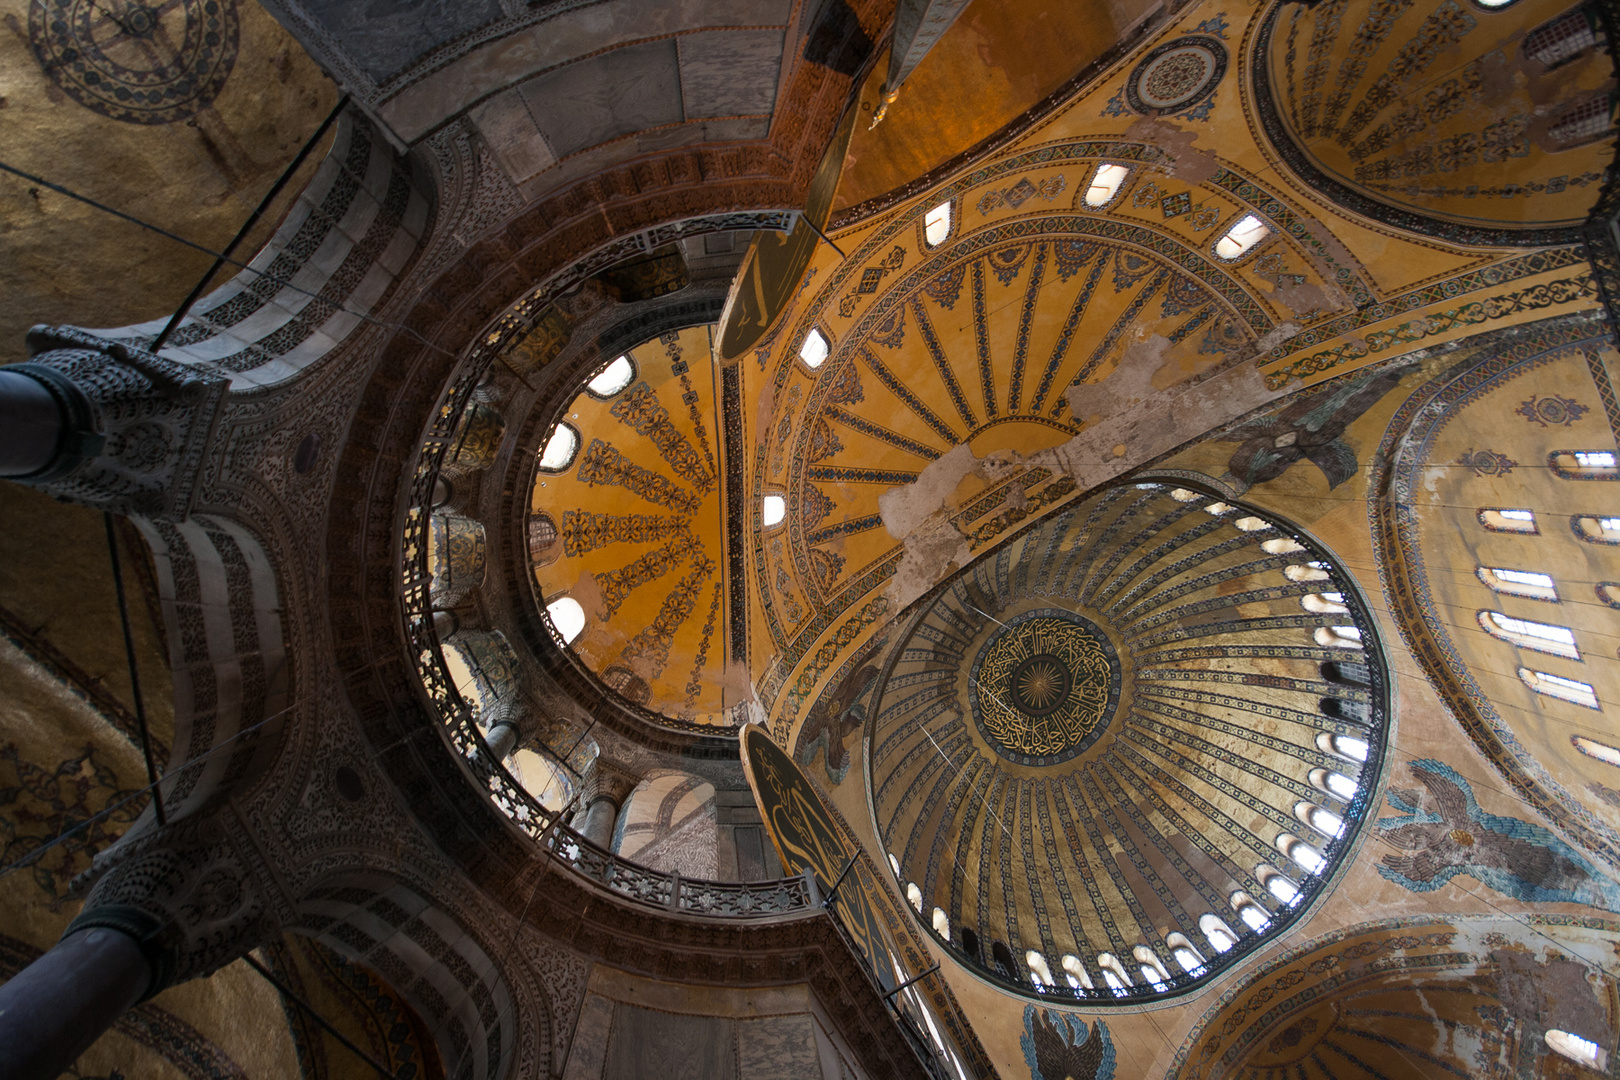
<point x="832" y="893"/>
<point x="134" y="671"/>
<point x="915" y="979"/>
<point x="287" y="992"/>
<point x="806" y="219"/>
<point x="247" y="226"/>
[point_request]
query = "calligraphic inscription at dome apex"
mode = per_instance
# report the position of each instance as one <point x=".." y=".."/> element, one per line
<point x="1045" y="687"/>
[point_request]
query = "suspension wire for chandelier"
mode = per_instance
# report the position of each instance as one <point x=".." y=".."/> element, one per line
<point x="247" y="226"/>
<point x="134" y="671"/>
<point x="297" y="999"/>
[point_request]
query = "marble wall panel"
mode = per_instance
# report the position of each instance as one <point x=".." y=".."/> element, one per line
<point x="777" y="1048"/>
<point x="603" y="97"/>
<point x="590" y="1039"/>
<point x="668" y="1046"/>
<point x="730" y="72"/>
<point x="512" y="136"/>
<point x="386" y="35"/>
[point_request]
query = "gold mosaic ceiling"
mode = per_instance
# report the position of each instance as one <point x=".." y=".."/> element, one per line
<point x="632" y="529"/>
<point x="1456" y="110"/>
<point x="1094" y="736"/>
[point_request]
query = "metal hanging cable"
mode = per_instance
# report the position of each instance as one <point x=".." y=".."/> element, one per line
<point x="134" y="671"/>
<point x="297" y="999"/>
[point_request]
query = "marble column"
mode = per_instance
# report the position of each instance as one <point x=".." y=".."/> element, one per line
<point x="31" y="423"/>
<point x="501" y="738"/>
<point x="52" y="1010"/>
<point x="600" y="818"/>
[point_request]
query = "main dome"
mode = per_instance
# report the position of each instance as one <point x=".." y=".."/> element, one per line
<point x="1115" y="754"/>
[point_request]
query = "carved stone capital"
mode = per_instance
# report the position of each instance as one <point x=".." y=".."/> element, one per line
<point x="607" y="779"/>
<point x="186" y="892"/>
<point x="134" y="425"/>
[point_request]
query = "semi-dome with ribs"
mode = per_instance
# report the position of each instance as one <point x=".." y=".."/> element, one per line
<point x="1111" y="756"/>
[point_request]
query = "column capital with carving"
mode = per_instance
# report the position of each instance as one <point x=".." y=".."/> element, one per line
<point x="607" y="779"/>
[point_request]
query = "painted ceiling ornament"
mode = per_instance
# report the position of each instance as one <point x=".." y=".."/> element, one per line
<point x="1555" y="410"/>
<point x="136" y="62"/>
<point x="1487" y="462"/>
<point x="1177" y="75"/>
<point x="1443" y="832"/>
<point x="1059" y="1046"/>
<point x="1046" y="686"/>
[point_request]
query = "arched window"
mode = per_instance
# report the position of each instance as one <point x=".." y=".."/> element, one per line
<point x="1571" y="690"/>
<point x="542" y="539"/>
<point x="612" y="379"/>
<point x="942" y="924"/>
<point x="1113" y="973"/>
<point x="1608" y="592"/>
<point x="1218" y="508"/>
<point x="1105" y="184"/>
<point x="1577" y="1049"/>
<point x="1311" y="571"/>
<point x="1542" y="637"/>
<point x="1185" y="953"/>
<point x="1003" y="958"/>
<point x="561" y="447"/>
<point x="894" y="864"/>
<point x="1344" y="746"/>
<point x="1590" y="118"/>
<point x="1324" y="603"/>
<point x="1347" y="673"/>
<point x="1152" y="968"/>
<point x="1076" y="974"/>
<point x="1185" y="495"/>
<point x="914" y="894"/>
<point x="1242" y="237"/>
<point x="1304" y="855"/>
<point x="1338" y="637"/>
<point x="1517" y="521"/>
<point x="1560" y="40"/>
<point x="1252" y="524"/>
<point x="1326" y="822"/>
<point x="1592" y="748"/>
<point x="937" y="224"/>
<point x="1336" y="784"/>
<point x="970" y="944"/>
<point x="1585" y="464"/>
<point x="567" y="616"/>
<point x="1253" y="915"/>
<point x="1281" y="545"/>
<point x="1598" y="530"/>
<point x="1039" y="970"/>
<point x="1216" y="932"/>
<point x="1526" y="583"/>
<point x="814" y="350"/>
<point x="1276" y="884"/>
<point x="772" y="509"/>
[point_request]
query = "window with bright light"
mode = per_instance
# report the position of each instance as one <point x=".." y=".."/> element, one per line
<point x="1313" y="571"/>
<point x="1323" y="821"/>
<point x="1542" y="637"/>
<point x="1282" y="545"/>
<point x="1519" y="521"/>
<point x="1105" y="184"/>
<point x="1571" y="690"/>
<point x="1338" y="637"/>
<point x="1585" y="460"/>
<point x="1524" y="583"/>
<point x="1113" y="973"/>
<point x="772" y="509"/>
<point x="1592" y="748"/>
<point x="1076" y="974"/>
<point x="914" y="894"/>
<point x="560" y="449"/>
<point x="567" y="616"/>
<point x="942" y="924"/>
<point x="937" y="224"/>
<point x="1183" y="952"/>
<point x="1252" y="524"/>
<point x="1216" y="932"/>
<point x="1184" y="495"/>
<point x="1337" y="784"/>
<point x="1343" y="746"/>
<point x="1282" y="888"/>
<point x="894" y="864"/>
<point x="1308" y="858"/>
<point x="613" y="378"/>
<point x="1598" y="530"/>
<point x="1218" y="508"/>
<point x="1324" y="603"/>
<point x="1038" y="968"/>
<point x="1584" y="1051"/>
<point x="815" y="349"/>
<point x="1253" y="915"/>
<point x="1241" y="238"/>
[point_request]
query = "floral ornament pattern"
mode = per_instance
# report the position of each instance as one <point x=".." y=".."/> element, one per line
<point x="1443" y="832"/>
<point x="1487" y="463"/>
<point x="1553" y="411"/>
<point x="1058" y="1046"/>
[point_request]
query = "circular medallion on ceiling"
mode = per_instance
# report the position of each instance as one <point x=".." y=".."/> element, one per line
<point x="1177" y="75"/>
<point x="1046" y="685"/>
<point x="143" y="64"/>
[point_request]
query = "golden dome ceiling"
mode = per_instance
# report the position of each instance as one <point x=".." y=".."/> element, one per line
<point x="1496" y="122"/>
<point x="627" y="530"/>
<point x="1142" y="713"/>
